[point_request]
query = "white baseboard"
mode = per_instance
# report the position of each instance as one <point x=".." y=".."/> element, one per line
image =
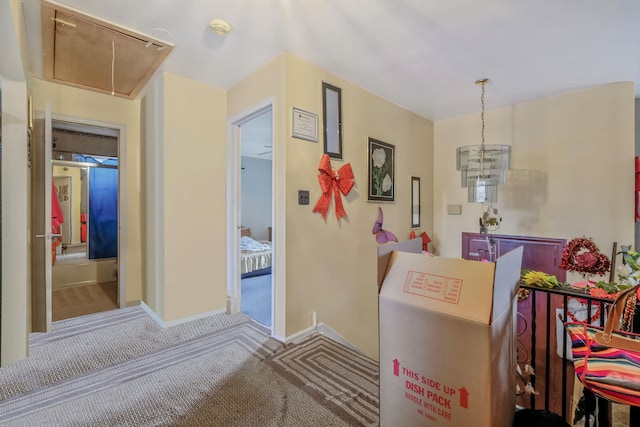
<point x="325" y="330"/>
<point x="322" y="329"/>
<point x="298" y="336"/>
<point x="164" y="324"/>
<point x="56" y="286"/>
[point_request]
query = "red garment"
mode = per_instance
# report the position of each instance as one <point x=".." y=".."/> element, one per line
<point x="83" y="227"/>
<point x="56" y="222"/>
<point x="56" y="211"/>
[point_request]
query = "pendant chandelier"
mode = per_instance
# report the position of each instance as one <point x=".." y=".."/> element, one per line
<point x="483" y="167"/>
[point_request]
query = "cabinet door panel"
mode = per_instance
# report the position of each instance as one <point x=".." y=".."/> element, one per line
<point x="540" y="256"/>
<point x="540" y="253"/>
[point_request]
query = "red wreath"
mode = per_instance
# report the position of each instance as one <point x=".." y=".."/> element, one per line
<point x="583" y="256"/>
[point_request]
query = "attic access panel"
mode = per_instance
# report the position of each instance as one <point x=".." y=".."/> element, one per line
<point x="83" y="51"/>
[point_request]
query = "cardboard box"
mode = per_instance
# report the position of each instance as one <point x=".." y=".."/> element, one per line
<point x="447" y="340"/>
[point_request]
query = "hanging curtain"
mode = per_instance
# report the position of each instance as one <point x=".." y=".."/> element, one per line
<point x="103" y="209"/>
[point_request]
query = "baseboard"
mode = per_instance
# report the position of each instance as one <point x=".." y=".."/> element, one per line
<point x="322" y="329"/>
<point x="325" y="330"/>
<point x="298" y="336"/>
<point x="58" y="286"/>
<point x="170" y="323"/>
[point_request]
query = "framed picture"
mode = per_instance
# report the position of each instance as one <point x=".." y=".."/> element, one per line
<point x="304" y="125"/>
<point x="415" y="202"/>
<point x="381" y="171"/>
<point x="332" y="120"/>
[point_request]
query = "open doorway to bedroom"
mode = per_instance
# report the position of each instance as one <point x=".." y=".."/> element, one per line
<point x="256" y="229"/>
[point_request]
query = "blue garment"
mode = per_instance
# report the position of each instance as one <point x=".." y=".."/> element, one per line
<point x="103" y="209"/>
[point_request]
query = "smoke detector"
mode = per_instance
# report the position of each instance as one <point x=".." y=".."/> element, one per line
<point x="220" y="26"/>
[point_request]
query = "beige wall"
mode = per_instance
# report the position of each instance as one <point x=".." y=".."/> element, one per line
<point x="184" y="145"/>
<point x="85" y="105"/>
<point x="573" y="168"/>
<point x="15" y="315"/>
<point x="152" y="184"/>
<point x="195" y="141"/>
<point x="331" y="265"/>
<point x="15" y="320"/>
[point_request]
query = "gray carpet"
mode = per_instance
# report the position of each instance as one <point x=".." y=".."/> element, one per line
<point x="336" y="376"/>
<point x="256" y="298"/>
<point x="120" y="368"/>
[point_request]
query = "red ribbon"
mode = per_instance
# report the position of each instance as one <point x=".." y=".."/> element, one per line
<point x="333" y="182"/>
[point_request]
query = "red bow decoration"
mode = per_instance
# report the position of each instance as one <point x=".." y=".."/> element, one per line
<point x="425" y="239"/>
<point x="333" y="182"/>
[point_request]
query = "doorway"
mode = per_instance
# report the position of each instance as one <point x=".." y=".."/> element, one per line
<point x="253" y="160"/>
<point x="256" y="232"/>
<point x="85" y="196"/>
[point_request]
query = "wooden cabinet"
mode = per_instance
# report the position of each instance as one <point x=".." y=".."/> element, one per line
<point x="536" y="326"/>
<point x="539" y="253"/>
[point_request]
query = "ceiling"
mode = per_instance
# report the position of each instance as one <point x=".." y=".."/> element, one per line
<point x="423" y="55"/>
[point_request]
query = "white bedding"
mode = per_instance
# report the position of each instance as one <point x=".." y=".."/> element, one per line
<point x="254" y="255"/>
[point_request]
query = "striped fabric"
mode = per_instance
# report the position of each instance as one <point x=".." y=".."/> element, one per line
<point x="609" y="372"/>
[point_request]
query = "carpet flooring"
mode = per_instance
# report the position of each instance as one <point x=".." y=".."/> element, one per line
<point x="336" y="376"/>
<point x="256" y="298"/>
<point x="120" y="368"/>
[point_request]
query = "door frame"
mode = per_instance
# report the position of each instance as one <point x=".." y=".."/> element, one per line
<point x="278" y="276"/>
<point x="121" y="129"/>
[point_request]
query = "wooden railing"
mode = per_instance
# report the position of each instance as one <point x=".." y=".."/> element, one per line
<point x="543" y="344"/>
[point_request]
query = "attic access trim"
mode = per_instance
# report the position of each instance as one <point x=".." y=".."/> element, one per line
<point x="80" y="50"/>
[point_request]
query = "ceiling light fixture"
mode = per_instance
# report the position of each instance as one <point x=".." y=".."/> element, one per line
<point x="220" y="27"/>
<point x="483" y="166"/>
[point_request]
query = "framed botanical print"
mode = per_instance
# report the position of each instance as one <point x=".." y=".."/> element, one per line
<point x="381" y="171"/>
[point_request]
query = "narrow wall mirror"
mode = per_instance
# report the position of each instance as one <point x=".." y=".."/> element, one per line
<point x="415" y="202"/>
<point x="332" y="120"/>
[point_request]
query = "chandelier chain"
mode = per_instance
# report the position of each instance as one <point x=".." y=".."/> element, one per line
<point x="482" y="113"/>
<point x="483" y="167"/>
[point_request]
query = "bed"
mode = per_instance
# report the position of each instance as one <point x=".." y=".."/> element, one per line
<point x="255" y="256"/>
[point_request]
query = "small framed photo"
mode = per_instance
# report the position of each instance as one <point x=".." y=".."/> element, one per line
<point x="304" y="125"/>
<point x="415" y="202"/>
<point x="381" y="171"/>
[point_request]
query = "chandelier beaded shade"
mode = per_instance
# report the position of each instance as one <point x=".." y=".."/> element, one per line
<point x="483" y="167"/>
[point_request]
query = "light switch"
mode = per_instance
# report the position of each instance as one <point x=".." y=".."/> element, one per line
<point x="303" y="197"/>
